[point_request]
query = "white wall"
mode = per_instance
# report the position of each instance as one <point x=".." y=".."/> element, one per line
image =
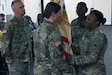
<point x="103" y="5"/>
<point x="45" y="2"/>
<point x="2" y="6"/>
<point x="5" y="7"/>
<point x="8" y="9"/>
<point x="33" y="7"/>
<point x="71" y="7"/>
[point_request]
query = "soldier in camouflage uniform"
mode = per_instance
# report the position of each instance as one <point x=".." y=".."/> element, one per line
<point x="49" y="57"/>
<point x="17" y="41"/>
<point x="78" y="27"/>
<point x="90" y="61"/>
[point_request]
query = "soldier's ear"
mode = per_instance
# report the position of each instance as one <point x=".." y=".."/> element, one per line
<point x="52" y="14"/>
<point x="98" y="23"/>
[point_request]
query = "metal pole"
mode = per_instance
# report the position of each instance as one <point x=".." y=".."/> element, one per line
<point x="42" y="6"/>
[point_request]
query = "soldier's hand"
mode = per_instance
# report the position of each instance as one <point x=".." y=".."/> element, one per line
<point x="67" y="55"/>
<point x="9" y="61"/>
<point x="71" y="60"/>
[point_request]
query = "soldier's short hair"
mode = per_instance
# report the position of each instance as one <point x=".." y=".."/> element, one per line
<point x="15" y="1"/>
<point x="51" y="7"/>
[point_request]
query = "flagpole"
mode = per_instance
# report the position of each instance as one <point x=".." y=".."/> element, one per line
<point x="42" y="6"/>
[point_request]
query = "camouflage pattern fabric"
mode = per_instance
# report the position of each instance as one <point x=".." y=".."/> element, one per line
<point x="77" y="32"/>
<point x="17" y="43"/>
<point x="90" y="61"/>
<point x="18" y="68"/>
<point x="49" y="58"/>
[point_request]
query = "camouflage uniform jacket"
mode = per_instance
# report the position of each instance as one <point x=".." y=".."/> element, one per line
<point x="16" y="40"/>
<point x="77" y="32"/>
<point x="92" y="50"/>
<point x="49" y="59"/>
